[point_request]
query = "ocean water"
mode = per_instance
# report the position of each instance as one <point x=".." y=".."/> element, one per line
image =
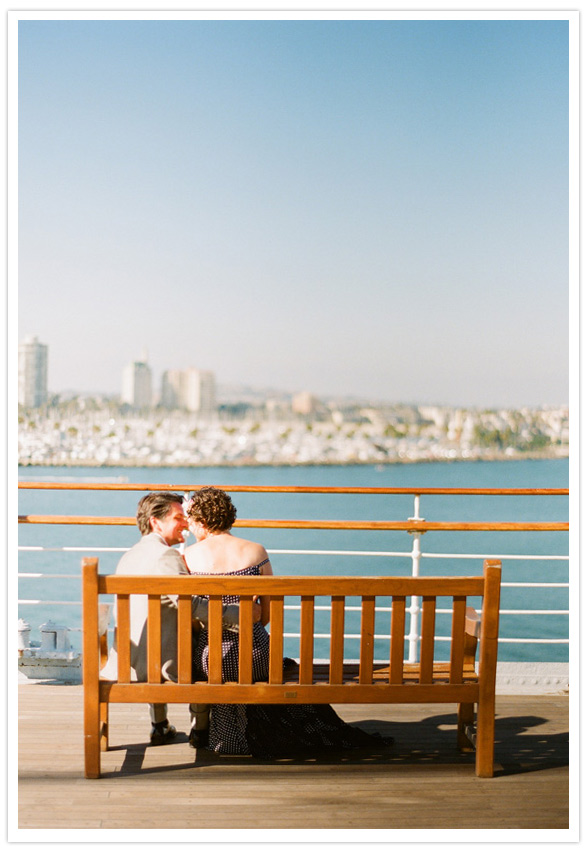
<point x="511" y="474"/>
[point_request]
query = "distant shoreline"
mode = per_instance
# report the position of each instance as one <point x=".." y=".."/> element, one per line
<point x="530" y="455"/>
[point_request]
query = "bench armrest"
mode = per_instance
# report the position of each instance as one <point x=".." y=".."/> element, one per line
<point x="473" y="623"/>
<point x="472" y="634"/>
<point x="104" y="612"/>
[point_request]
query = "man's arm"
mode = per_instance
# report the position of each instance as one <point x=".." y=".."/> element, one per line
<point x="229" y="613"/>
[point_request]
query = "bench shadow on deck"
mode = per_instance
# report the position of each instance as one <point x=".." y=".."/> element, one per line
<point x="428" y="741"/>
<point x="414" y="784"/>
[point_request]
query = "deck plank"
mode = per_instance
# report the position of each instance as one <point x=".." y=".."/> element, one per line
<point x="411" y="785"/>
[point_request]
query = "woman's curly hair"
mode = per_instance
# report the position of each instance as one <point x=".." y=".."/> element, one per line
<point x="213" y="508"/>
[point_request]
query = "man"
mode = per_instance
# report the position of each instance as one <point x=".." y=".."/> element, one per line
<point x="162" y="522"/>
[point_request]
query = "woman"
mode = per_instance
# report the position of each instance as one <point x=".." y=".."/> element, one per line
<point x="265" y="731"/>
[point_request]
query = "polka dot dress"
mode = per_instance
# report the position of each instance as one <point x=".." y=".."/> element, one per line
<point x="228" y="722"/>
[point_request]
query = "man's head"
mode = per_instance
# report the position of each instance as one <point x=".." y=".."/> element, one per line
<point x="162" y="512"/>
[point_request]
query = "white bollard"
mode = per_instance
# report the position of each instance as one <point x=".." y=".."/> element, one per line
<point x="62" y="637"/>
<point x="24" y="632"/>
<point x="54" y="637"/>
<point x="48" y="636"/>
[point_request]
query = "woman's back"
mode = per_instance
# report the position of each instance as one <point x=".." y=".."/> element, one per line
<point x="223" y="553"/>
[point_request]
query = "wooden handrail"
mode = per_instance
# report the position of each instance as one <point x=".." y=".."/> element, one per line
<point x="350" y="490"/>
<point x="411" y="525"/>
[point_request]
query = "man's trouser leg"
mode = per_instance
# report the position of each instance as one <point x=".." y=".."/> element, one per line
<point x="200" y="716"/>
<point x="158" y="712"/>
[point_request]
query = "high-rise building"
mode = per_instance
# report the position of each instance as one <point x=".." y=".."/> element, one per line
<point x="189" y="389"/>
<point x="32" y="372"/>
<point x="200" y="391"/>
<point x="137" y="385"/>
<point x="172" y="389"/>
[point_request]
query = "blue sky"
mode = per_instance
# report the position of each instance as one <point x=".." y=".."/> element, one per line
<point x="374" y="208"/>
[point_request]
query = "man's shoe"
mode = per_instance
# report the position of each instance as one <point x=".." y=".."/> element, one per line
<point x="199" y="738"/>
<point x="162" y="733"/>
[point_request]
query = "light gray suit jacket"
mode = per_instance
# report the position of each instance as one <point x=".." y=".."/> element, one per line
<point x="153" y="556"/>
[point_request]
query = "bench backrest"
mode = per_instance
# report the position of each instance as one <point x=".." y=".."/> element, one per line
<point x="368" y="591"/>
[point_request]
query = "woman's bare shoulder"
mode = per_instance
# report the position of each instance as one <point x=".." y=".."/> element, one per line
<point x="194" y="557"/>
<point x="254" y="549"/>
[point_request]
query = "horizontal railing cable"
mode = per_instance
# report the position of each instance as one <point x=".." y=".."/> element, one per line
<point x="318" y="552"/>
<point x="31" y="548"/>
<point x="295" y="551"/>
<point x="376" y="636"/>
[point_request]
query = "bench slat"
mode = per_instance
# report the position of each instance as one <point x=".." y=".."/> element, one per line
<point x="184" y="639"/>
<point x="276" y="640"/>
<point x="427" y="643"/>
<point x="306" y="639"/>
<point x="154" y="639"/>
<point x="245" y="656"/>
<point x="336" y="640"/>
<point x="397" y="646"/>
<point x="457" y="644"/>
<point x="123" y="637"/>
<point x="367" y="639"/>
<point x="215" y="639"/>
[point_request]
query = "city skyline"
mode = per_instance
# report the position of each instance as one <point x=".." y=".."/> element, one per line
<point x="228" y="392"/>
<point x="352" y="207"/>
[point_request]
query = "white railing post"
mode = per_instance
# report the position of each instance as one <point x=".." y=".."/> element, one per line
<point x="414" y="608"/>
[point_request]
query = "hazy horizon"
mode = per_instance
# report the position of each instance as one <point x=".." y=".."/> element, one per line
<point x="372" y="208"/>
<point x="228" y="393"/>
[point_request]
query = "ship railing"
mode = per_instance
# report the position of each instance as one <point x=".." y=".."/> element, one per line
<point x="416" y="526"/>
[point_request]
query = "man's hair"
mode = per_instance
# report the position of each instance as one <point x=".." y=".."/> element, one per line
<point x="155" y="505"/>
<point x="213" y="508"/>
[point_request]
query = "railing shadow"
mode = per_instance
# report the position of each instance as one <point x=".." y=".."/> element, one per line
<point x="433" y="739"/>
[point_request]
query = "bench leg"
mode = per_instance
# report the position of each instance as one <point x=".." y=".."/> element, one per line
<point x="485" y="738"/>
<point x="91" y="736"/>
<point x="466" y="718"/>
<point x="104" y="726"/>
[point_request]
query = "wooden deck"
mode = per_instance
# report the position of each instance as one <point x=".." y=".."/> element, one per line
<point x="422" y="782"/>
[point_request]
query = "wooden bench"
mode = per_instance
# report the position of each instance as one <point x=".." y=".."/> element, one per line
<point x="367" y="681"/>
